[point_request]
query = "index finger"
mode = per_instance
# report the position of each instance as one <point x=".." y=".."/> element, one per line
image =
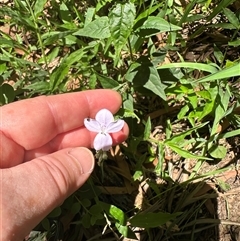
<point x="32" y="123"/>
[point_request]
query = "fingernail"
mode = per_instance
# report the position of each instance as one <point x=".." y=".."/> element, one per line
<point x="84" y="157"/>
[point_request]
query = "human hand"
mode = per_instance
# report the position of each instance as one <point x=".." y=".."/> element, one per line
<point x="43" y="159"/>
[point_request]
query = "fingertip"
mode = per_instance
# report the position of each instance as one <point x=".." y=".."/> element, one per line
<point x="85" y="158"/>
<point x="121" y="136"/>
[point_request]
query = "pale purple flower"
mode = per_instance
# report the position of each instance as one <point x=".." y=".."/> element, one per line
<point x="104" y="124"/>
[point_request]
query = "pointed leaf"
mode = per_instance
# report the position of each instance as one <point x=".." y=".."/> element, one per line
<point x="155" y="25"/>
<point x="98" y="29"/>
<point x="121" y="20"/>
<point x="38" y="7"/>
<point x="218" y="152"/>
<point x="152" y="220"/>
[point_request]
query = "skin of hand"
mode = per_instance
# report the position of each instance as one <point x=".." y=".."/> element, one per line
<point x="44" y="156"/>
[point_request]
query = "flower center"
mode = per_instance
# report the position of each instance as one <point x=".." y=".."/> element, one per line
<point x="103" y="130"/>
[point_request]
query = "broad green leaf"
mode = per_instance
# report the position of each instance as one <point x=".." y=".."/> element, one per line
<point x="207" y="109"/>
<point x="218" y="152"/>
<point x="235" y="43"/>
<point x="106" y="82"/>
<point x="154" y="25"/>
<point x="98" y="29"/>
<point x="182" y="113"/>
<point x="222" y="74"/>
<point x="46" y="224"/>
<point x="185" y="154"/>
<point x="75" y="208"/>
<point x="147" y="130"/>
<point x="143" y="74"/>
<point x="152" y="220"/>
<point x="96" y="210"/>
<point x="204" y="67"/>
<point x="86" y="220"/>
<point x="121" y="20"/>
<point x="38" y="7"/>
<point x="125" y="231"/>
<point x="114" y="212"/>
<point x="232" y="18"/>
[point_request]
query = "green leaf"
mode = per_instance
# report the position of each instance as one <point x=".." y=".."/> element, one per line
<point x="18" y="17"/>
<point x="143" y="74"/>
<point x="222" y="74"/>
<point x="75" y="208"/>
<point x="204" y="67"/>
<point x="232" y="18"/>
<point x="7" y="94"/>
<point x="86" y="220"/>
<point x="184" y="153"/>
<point x="98" y="29"/>
<point x="114" y="212"/>
<point x="177" y="139"/>
<point x="55" y="212"/>
<point x="106" y="82"/>
<point x="147" y="130"/>
<point x="182" y="113"/>
<point x="38" y="7"/>
<point x="125" y="231"/>
<point x="89" y="16"/>
<point x="38" y="87"/>
<point x="230" y="134"/>
<point x="218" y="152"/>
<point x="152" y="220"/>
<point x="155" y="25"/>
<point x="61" y="71"/>
<point x="121" y="21"/>
<point x="235" y="43"/>
<point x="221" y="105"/>
<point x="46" y="224"/>
<point x="96" y="210"/>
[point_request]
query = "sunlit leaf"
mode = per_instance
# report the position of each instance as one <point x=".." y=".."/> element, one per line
<point x="98" y="29"/>
<point x="218" y="152"/>
<point x="121" y="20"/>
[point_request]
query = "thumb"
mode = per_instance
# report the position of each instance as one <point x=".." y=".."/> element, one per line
<point x="33" y="189"/>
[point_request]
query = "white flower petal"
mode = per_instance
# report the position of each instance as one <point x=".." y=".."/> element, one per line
<point x="104" y="117"/>
<point x="92" y="125"/>
<point x="115" y="126"/>
<point x="102" y="142"/>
